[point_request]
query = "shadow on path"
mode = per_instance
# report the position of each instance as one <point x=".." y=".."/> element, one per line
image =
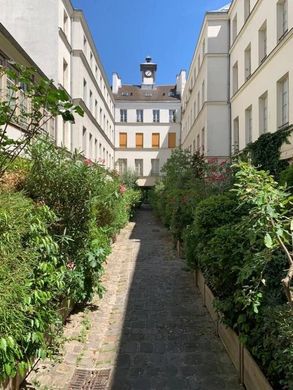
<point x="168" y="340"/>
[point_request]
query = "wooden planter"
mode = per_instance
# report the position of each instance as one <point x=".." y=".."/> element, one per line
<point x="249" y="372"/>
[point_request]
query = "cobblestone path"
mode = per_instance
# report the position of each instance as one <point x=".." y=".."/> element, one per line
<point x="150" y="327"/>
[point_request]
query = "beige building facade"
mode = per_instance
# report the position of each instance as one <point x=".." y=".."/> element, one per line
<point x="261" y="69"/>
<point x="148" y="123"/>
<point x="205" y="102"/>
<point x="60" y="42"/>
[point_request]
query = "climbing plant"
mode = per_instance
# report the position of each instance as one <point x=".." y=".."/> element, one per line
<point x="265" y="152"/>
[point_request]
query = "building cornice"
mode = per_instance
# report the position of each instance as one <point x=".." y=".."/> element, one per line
<point x="81" y="103"/>
<point x="80" y="53"/>
<point x="268" y="58"/>
<point x="148" y="124"/>
<point x="141" y="149"/>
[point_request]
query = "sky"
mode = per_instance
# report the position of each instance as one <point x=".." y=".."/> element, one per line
<point x="126" y="31"/>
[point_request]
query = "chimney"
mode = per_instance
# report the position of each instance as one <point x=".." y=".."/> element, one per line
<point x="181" y="82"/>
<point x="116" y="83"/>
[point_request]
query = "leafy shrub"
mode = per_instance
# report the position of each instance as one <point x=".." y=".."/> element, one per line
<point x="32" y="278"/>
<point x="286" y="177"/>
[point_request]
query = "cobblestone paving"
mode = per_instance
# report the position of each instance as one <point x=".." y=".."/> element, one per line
<point x="150" y="327"/>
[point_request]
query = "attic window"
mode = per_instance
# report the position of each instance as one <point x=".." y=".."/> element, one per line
<point x="171" y="94"/>
<point x="164" y="94"/>
<point x="125" y="94"/>
<point x="131" y="93"/>
<point x="148" y="94"/>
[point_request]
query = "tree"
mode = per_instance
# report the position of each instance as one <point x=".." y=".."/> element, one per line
<point x="29" y="102"/>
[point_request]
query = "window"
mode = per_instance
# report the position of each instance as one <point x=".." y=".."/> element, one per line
<point x="203" y="141"/>
<point x="234" y="28"/>
<point x="101" y="117"/>
<point x="65" y="74"/>
<point x="198" y="102"/>
<point x="262" y="42"/>
<point x="172" y="116"/>
<point x="96" y="72"/>
<point x="122" y="165"/>
<point x="236" y="135"/>
<point x="96" y="149"/>
<point x="263" y="113"/>
<point x="91" y="101"/>
<point x="96" y="109"/>
<point x="283" y="101"/>
<point x="235" y="77"/>
<point x="193" y="146"/>
<point x="139" y="166"/>
<point x="198" y="62"/>
<point x="123" y="115"/>
<point x="203" y="48"/>
<point x="84" y="140"/>
<point x="84" y="91"/>
<point x="85" y="45"/>
<point x="202" y="93"/>
<point x="155" y="166"/>
<point x="248" y="125"/>
<point x="91" y="59"/>
<point x="65" y="23"/>
<point x="90" y="145"/>
<point x="123" y="140"/>
<point x="246" y="9"/>
<point x="247" y="58"/>
<point x="139" y="140"/>
<point x="156" y="116"/>
<point x="156" y="140"/>
<point x="282" y="18"/>
<point x="171" y="140"/>
<point x="139" y="115"/>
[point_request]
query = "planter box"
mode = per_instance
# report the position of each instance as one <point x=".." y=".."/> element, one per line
<point x="231" y="342"/>
<point x="249" y="372"/>
<point x="253" y="377"/>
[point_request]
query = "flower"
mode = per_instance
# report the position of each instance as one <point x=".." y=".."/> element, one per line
<point x="122" y="188"/>
<point x="88" y="162"/>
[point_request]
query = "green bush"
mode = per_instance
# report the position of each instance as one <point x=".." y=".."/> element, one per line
<point x="286" y="177"/>
<point x="32" y="275"/>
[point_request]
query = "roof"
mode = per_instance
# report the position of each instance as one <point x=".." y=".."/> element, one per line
<point x="137" y="93"/>
<point x="225" y="8"/>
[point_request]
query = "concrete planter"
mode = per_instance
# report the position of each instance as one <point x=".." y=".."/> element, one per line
<point x="250" y="375"/>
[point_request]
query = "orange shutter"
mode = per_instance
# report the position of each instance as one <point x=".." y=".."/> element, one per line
<point x="123" y="140"/>
<point x="139" y="140"/>
<point x="172" y="140"/>
<point x="155" y="140"/>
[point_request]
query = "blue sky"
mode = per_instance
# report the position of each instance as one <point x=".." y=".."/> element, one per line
<point x="125" y="31"/>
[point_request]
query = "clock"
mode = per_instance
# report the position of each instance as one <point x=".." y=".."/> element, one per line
<point x="148" y="73"/>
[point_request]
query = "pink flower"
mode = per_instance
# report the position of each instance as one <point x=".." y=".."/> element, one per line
<point x="88" y="162"/>
<point x="122" y="188"/>
<point x="70" y="265"/>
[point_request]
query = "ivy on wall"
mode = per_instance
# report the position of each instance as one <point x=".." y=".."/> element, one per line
<point x="265" y="152"/>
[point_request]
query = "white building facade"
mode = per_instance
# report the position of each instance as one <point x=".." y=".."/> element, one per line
<point x="148" y="123"/>
<point x="58" y="39"/>
<point x="205" y="102"/>
<point x="261" y="69"/>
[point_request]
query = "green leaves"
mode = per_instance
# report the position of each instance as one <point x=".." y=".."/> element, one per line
<point x="268" y="241"/>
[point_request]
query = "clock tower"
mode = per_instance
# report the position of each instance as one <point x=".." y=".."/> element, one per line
<point x="148" y="73"/>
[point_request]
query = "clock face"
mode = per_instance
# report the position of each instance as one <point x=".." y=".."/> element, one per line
<point x="148" y="73"/>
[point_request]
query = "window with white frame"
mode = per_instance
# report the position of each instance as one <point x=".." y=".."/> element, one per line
<point x="203" y="141"/>
<point x="248" y="125"/>
<point x="91" y="101"/>
<point x="91" y="59"/>
<point x="236" y="135"/>
<point x="234" y="28"/>
<point x="203" y="47"/>
<point x="235" y="77"/>
<point x="139" y="115"/>
<point x="139" y="166"/>
<point x="84" y="140"/>
<point x="283" y="101"/>
<point x="84" y="91"/>
<point x="85" y="45"/>
<point x="156" y="116"/>
<point x="247" y="58"/>
<point x="262" y="42"/>
<point x="246" y="9"/>
<point x="263" y="113"/>
<point x="282" y="18"/>
<point x="155" y="163"/>
<point x="65" y="23"/>
<point x="172" y="116"/>
<point x="123" y="115"/>
<point x="96" y="110"/>
<point x="65" y="75"/>
<point x="122" y="165"/>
